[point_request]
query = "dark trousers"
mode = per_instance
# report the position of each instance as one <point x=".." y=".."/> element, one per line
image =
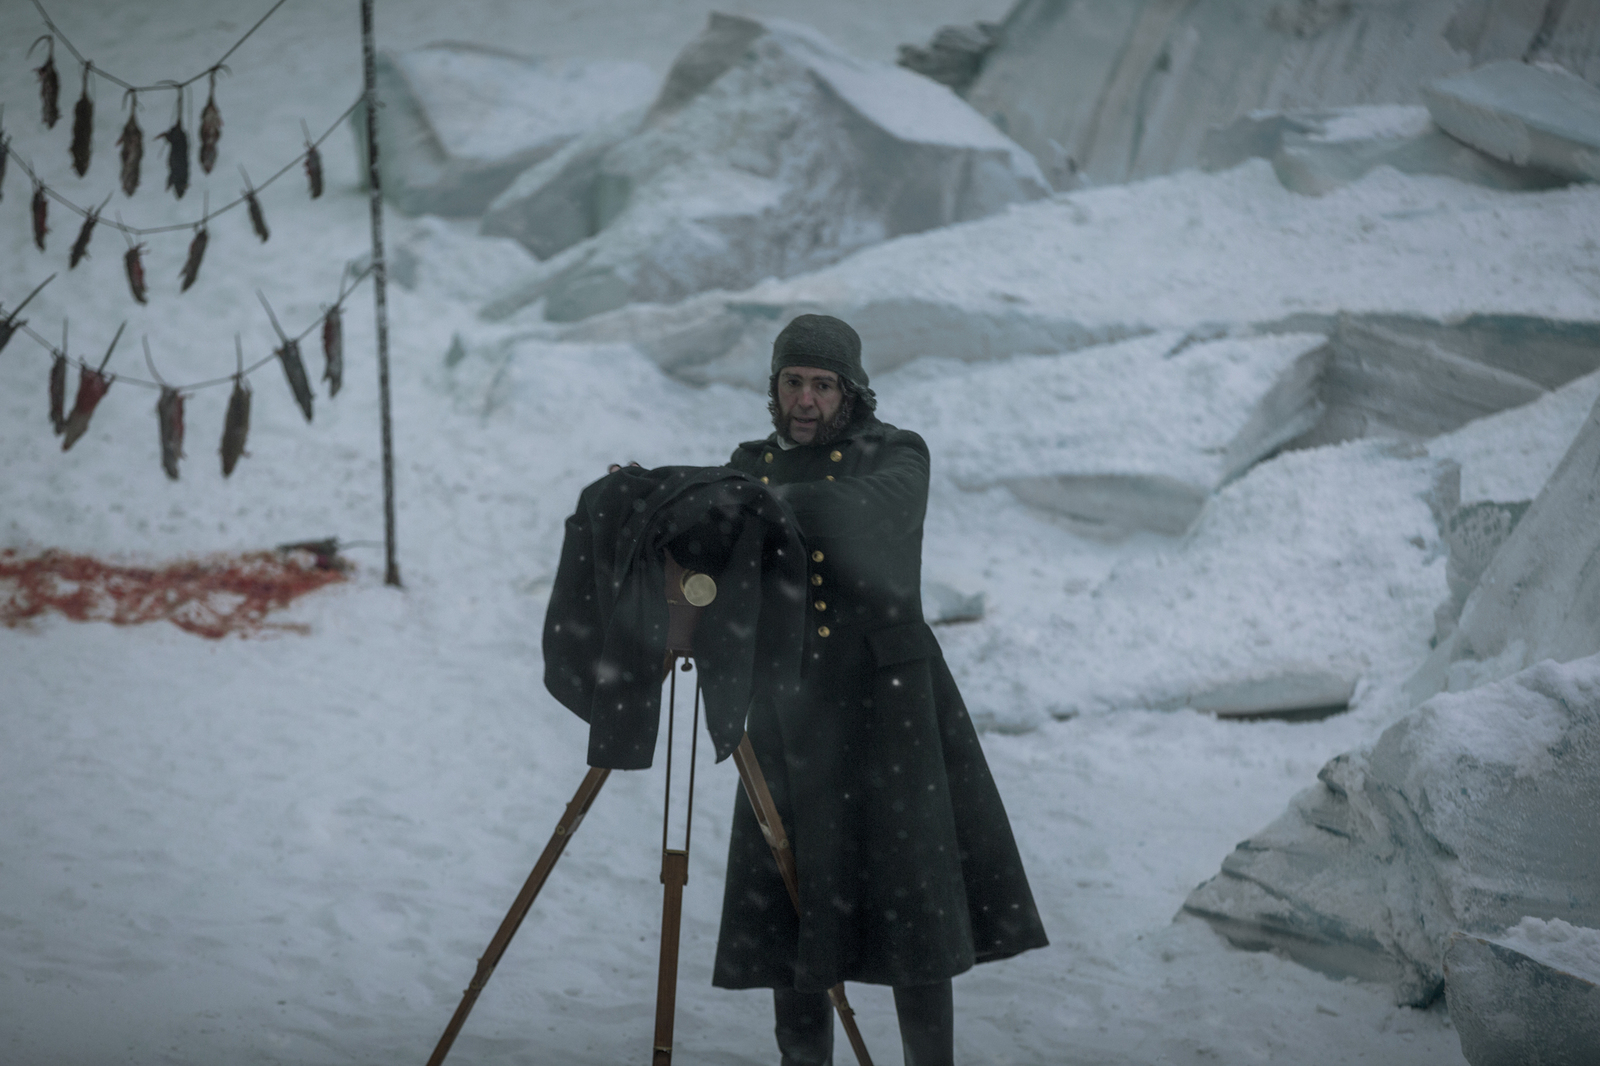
<point x="927" y="1025"/>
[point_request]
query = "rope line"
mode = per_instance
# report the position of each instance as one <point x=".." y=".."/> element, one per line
<point x="140" y="231"/>
<point x="170" y="85"/>
<point x="211" y="382"/>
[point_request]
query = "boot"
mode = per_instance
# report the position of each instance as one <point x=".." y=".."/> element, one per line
<point x="927" y="1023"/>
<point x="805" y="1027"/>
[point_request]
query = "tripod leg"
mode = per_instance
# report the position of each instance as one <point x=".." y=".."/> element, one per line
<point x="771" y="823"/>
<point x="581" y="801"/>
<point x="674" y="875"/>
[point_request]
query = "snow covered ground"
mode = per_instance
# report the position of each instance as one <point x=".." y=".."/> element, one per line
<point x="291" y="849"/>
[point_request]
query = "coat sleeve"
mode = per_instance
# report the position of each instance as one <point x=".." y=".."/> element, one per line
<point x="890" y="500"/>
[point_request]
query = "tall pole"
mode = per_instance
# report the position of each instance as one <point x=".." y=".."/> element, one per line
<point x="380" y="279"/>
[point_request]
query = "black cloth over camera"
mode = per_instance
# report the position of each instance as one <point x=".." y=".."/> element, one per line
<point x="605" y="630"/>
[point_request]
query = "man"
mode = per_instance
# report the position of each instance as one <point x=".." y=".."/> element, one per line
<point x="908" y="870"/>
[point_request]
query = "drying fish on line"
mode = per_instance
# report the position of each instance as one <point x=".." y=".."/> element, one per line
<point x="58" y="393"/>
<point x="257" y="219"/>
<point x="313" y="162"/>
<point x="10" y="323"/>
<point x="80" y="247"/>
<point x="132" y="145"/>
<point x="58" y="384"/>
<point x="83" y="126"/>
<point x="134" y="266"/>
<point x="333" y="338"/>
<point x="333" y="350"/>
<point x="177" y="153"/>
<point x="92" y="388"/>
<point x="41" y="214"/>
<point x="210" y="127"/>
<point x="197" y="251"/>
<point x="236" y="427"/>
<point x="49" y="83"/>
<point x="169" y="417"/>
<point x="294" y="368"/>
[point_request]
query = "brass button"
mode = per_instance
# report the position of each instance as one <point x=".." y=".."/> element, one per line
<point x="820" y="605"/>
<point x="830" y="477"/>
<point x="768" y="457"/>
<point x="823" y="631"/>
<point x="835" y="455"/>
<point x="816" y="557"/>
<point x="763" y="479"/>
<point x="816" y="579"/>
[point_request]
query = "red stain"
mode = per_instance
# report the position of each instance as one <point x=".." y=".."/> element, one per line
<point x="210" y="597"/>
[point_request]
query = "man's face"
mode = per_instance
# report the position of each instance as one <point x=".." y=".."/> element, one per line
<point x="808" y="399"/>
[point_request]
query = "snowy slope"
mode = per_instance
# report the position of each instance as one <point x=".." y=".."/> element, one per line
<point x="290" y="849"/>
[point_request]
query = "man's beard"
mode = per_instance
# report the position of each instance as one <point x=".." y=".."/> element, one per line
<point x="827" y="432"/>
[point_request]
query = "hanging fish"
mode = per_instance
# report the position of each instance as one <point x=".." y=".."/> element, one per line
<point x="257" y="218"/>
<point x="41" y="214"/>
<point x="135" y="268"/>
<point x="313" y="163"/>
<point x="169" y="417"/>
<point x="83" y="126"/>
<point x="294" y="368"/>
<point x="49" y="82"/>
<point x="177" y="153"/>
<point x="58" y="393"/>
<point x="333" y="350"/>
<point x="236" y="427"/>
<point x="132" y="144"/>
<point x="10" y="324"/>
<point x="80" y="247"/>
<point x="210" y="128"/>
<point x="92" y="388"/>
<point x="197" y="251"/>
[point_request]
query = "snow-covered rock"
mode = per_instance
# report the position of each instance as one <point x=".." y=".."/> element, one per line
<point x="1529" y="996"/>
<point x="1235" y="248"/>
<point x="1539" y="597"/>
<point x="1135" y="435"/>
<point x="460" y="121"/>
<point x="1315" y="152"/>
<point x="768" y="152"/>
<point x="1313" y="571"/>
<point x="1474" y="811"/>
<point x="1538" y="116"/>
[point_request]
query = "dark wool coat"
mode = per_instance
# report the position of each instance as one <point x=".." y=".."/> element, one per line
<point x="908" y="869"/>
<point x="605" y="630"/>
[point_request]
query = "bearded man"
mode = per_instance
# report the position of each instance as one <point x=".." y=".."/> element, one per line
<point x="908" y="870"/>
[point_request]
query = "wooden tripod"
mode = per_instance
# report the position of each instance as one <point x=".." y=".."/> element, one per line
<point x="682" y="616"/>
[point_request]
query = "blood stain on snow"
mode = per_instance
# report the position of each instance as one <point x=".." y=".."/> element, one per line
<point x="210" y="597"/>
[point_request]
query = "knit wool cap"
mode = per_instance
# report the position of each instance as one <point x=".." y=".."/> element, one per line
<point x="824" y="342"/>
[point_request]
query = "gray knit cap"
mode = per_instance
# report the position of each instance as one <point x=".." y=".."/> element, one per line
<point x="824" y="342"/>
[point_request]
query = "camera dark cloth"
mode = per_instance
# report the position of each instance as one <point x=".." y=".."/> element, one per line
<point x="909" y="873"/>
<point x="605" y="631"/>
